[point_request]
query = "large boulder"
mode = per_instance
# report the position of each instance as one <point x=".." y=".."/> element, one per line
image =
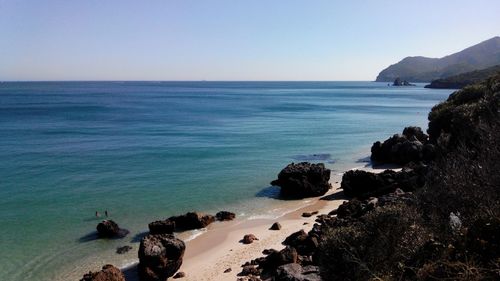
<point x="162" y="227"/>
<point x="402" y="149"/>
<point x="295" y="272"/>
<point x="192" y="220"/>
<point x="160" y="256"/>
<point x="108" y="273"/>
<point x="363" y="184"/>
<point x="110" y="229"/>
<point x="302" y="242"/>
<point x="303" y="180"/>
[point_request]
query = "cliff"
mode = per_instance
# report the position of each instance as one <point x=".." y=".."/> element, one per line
<point x="423" y="69"/>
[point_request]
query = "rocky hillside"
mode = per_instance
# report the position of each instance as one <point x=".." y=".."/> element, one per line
<point x="461" y="80"/>
<point x="423" y="69"/>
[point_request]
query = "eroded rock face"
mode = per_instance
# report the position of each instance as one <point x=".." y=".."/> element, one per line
<point x="110" y="229"/>
<point x="160" y="256"/>
<point x="303" y="180"/>
<point x="192" y="220"/>
<point x="162" y="227"/>
<point x="108" y="273"/>
<point x="225" y="216"/>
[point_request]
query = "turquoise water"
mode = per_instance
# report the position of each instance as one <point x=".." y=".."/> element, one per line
<point x="148" y="150"/>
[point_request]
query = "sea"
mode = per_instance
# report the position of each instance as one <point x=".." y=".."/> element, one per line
<point x="144" y="151"/>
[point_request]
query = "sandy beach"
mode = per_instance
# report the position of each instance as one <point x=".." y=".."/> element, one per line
<point x="219" y="248"/>
<point x="208" y="256"/>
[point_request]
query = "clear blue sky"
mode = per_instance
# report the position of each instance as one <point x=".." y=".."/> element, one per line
<point x="231" y="40"/>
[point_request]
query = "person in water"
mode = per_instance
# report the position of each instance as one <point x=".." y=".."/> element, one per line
<point x="106" y="213"/>
<point x="97" y="214"/>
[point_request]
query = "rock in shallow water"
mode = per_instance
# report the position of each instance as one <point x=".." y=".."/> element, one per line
<point x="192" y="220"/>
<point x="160" y="256"/>
<point x="225" y="216"/>
<point x="162" y="227"/>
<point x="123" y="249"/>
<point x="110" y="229"/>
<point x="303" y="180"/>
<point x="108" y="273"/>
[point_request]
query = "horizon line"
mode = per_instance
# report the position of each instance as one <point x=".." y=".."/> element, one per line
<point x="26" y="81"/>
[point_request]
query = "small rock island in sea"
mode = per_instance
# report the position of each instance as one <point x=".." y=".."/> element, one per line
<point x="398" y="82"/>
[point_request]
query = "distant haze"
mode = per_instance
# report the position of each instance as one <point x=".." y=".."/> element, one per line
<point x="231" y="40"/>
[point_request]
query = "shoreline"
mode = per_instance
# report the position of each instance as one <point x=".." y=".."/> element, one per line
<point x="208" y="255"/>
<point x="218" y="247"/>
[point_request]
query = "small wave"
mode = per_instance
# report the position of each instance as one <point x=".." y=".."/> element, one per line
<point x="128" y="265"/>
<point x="195" y="233"/>
<point x="260" y="217"/>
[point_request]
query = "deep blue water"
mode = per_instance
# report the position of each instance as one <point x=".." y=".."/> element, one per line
<point x="148" y="150"/>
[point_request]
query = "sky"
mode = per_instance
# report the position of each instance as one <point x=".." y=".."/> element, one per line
<point x="231" y="39"/>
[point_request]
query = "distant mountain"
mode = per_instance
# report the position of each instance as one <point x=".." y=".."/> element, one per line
<point x="423" y="69"/>
<point x="461" y="80"/>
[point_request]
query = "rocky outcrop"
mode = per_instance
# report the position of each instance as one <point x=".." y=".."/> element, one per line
<point x="162" y="227"/>
<point x="225" y="216"/>
<point x="192" y="220"/>
<point x="110" y="229"/>
<point x="303" y="180"/>
<point x="160" y="256"/>
<point x="398" y="82"/>
<point x="108" y="273"/>
<point x="362" y="184"/>
<point x="411" y="146"/>
<point x="295" y="272"/>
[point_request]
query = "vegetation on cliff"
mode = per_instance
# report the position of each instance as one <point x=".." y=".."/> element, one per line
<point x="449" y="228"/>
<point x="461" y="80"/>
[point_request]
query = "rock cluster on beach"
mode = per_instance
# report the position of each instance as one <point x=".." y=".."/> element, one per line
<point x="303" y="180"/>
<point x="160" y="256"/>
<point x="411" y="146"/>
<point x="107" y="273"/>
